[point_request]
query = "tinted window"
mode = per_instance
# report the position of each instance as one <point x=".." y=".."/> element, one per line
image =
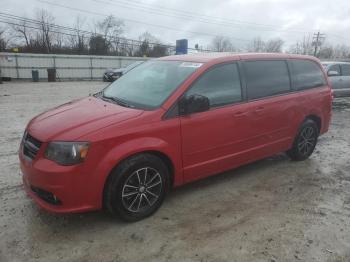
<point x="306" y="74"/>
<point x="334" y="68"/>
<point x="345" y="70"/>
<point x="221" y="85"/>
<point x="266" y="78"/>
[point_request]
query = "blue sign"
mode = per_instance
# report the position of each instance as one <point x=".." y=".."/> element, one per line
<point x="181" y="46"/>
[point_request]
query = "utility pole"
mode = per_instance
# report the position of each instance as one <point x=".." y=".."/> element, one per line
<point x="317" y="41"/>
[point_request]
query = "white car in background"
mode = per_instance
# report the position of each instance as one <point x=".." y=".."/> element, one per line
<point x="339" y="75"/>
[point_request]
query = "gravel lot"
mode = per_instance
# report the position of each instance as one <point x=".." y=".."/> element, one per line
<point x="271" y="210"/>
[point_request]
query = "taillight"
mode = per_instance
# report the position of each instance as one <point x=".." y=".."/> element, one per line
<point x="332" y="95"/>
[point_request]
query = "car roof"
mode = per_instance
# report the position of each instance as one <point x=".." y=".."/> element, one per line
<point x="224" y="56"/>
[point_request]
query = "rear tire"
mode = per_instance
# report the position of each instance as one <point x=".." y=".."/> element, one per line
<point x="137" y="187"/>
<point x="305" y="141"/>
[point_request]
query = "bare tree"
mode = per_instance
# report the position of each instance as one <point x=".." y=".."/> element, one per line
<point x="306" y="45"/>
<point x="222" y="44"/>
<point x="22" y="32"/>
<point x="125" y="47"/>
<point x="274" y="45"/>
<point x="145" y="47"/>
<point x="59" y="42"/>
<point x="257" y="45"/>
<point x="78" y="41"/>
<point x="341" y="51"/>
<point x="111" y="29"/>
<point x="151" y="46"/>
<point x="98" y="45"/>
<point x="303" y="47"/>
<point x="110" y="26"/>
<point x="326" y="51"/>
<point x="294" y="48"/>
<point x="3" y="40"/>
<point x="45" y="35"/>
<point x="6" y="38"/>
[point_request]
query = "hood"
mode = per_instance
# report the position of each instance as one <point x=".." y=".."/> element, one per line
<point x="72" y="120"/>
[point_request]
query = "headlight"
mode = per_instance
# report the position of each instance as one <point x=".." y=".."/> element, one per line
<point x="67" y="153"/>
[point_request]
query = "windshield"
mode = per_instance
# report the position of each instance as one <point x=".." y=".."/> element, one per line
<point x="131" y="66"/>
<point x="151" y="83"/>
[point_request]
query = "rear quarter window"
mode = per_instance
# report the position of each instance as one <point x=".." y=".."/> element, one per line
<point x="306" y="74"/>
<point x="266" y="78"/>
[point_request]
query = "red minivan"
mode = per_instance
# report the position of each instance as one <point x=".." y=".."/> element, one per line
<point x="171" y="121"/>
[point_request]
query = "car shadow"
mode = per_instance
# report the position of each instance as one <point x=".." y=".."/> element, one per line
<point x="102" y="219"/>
<point x="229" y="176"/>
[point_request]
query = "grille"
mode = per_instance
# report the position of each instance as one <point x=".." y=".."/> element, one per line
<point x="31" y="146"/>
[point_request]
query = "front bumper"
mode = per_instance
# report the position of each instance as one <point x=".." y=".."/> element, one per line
<point x="55" y="188"/>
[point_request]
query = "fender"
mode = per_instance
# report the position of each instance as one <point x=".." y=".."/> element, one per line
<point x="301" y="118"/>
<point x="131" y="147"/>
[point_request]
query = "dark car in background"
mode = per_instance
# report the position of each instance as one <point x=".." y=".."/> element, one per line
<point x="111" y="75"/>
<point x="339" y="75"/>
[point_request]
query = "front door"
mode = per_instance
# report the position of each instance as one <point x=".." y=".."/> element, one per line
<point x="210" y="139"/>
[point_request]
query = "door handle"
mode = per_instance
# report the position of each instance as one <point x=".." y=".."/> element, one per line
<point x="259" y="109"/>
<point x="240" y="113"/>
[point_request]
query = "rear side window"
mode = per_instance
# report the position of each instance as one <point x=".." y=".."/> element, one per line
<point x="221" y="85"/>
<point x="335" y="68"/>
<point x="306" y="74"/>
<point x="266" y="78"/>
<point x="345" y="70"/>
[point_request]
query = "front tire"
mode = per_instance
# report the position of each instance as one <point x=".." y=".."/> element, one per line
<point x="137" y="187"/>
<point x="305" y="141"/>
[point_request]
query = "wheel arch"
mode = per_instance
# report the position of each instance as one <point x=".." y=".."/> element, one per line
<point x="316" y="119"/>
<point x="163" y="156"/>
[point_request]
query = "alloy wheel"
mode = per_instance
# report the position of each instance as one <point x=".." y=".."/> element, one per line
<point x="141" y="189"/>
<point x="307" y="140"/>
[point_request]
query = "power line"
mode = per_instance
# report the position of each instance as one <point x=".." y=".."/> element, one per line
<point x="141" y="22"/>
<point x="318" y="39"/>
<point x="33" y="21"/>
<point x="196" y="14"/>
<point x="177" y="13"/>
<point x="194" y="18"/>
<point x="37" y="22"/>
<point x="74" y="30"/>
<point x="137" y="42"/>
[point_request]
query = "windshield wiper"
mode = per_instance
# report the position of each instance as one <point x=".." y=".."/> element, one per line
<point x="117" y="100"/>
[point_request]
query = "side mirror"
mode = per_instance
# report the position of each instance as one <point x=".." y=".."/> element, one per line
<point x="333" y="73"/>
<point x="193" y="104"/>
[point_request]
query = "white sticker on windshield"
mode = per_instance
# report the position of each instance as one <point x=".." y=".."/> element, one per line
<point x="190" y="64"/>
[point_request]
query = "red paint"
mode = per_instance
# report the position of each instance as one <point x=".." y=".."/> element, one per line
<point x="198" y="145"/>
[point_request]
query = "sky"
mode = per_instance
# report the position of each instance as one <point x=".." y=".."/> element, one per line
<point x="199" y="21"/>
